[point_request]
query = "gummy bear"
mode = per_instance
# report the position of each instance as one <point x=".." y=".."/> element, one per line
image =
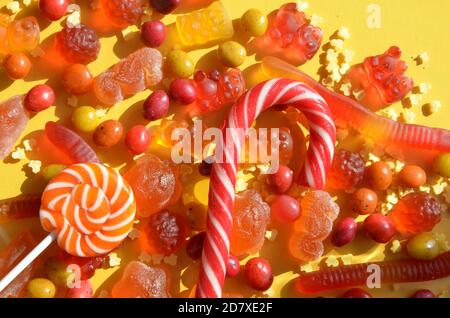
<point x="290" y="36"/>
<point x="10" y="256"/>
<point x="380" y="80"/>
<point x="13" y="120"/>
<point x="141" y="281"/>
<point x="163" y="233"/>
<point x="204" y="26"/>
<point x="415" y="213"/>
<point x="22" y="35"/>
<point x="155" y="184"/>
<point x="315" y="224"/>
<point x="131" y="75"/>
<point x="346" y="171"/>
<point x="251" y="215"/>
<point x="122" y="12"/>
<point x="79" y="44"/>
<point x="214" y="90"/>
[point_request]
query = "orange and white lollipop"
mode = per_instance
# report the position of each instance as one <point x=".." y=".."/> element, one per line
<point x="90" y="207"/>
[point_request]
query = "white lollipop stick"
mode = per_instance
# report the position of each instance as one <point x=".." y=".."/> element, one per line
<point x="27" y="260"/>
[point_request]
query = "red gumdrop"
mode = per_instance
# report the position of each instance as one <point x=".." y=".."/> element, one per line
<point x="344" y="232"/>
<point x="137" y="139"/>
<point x="156" y="105"/>
<point x="258" y="274"/>
<point x="423" y="293"/>
<point x="281" y="181"/>
<point x="122" y="12"/>
<point x="379" y="228"/>
<point x="183" y="91"/>
<point x="233" y="266"/>
<point x="194" y="246"/>
<point x="416" y="213"/>
<point x="53" y="9"/>
<point x="356" y="293"/>
<point x="285" y="209"/>
<point x="39" y="98"/>
<point x="79" y="44"/>
<point x="346" y="171"/>
<point x="85" y="290"/>
<point x="153" y="33"/>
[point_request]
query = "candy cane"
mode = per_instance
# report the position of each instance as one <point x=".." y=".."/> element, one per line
<point x="223" y="175"/>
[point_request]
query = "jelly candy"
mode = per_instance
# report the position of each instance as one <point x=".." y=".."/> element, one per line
<point x="22" y="35"/>
<point x="214" y="90"/>
<point x="10" y="256"/>
<point x="79" y="44"/>
<point x="13" y="119"/>
<point x="290" y="36"/>
<point x="318" y="212"/>
<point x="155" y="184"/>
<point x="141" y="281"/>
<point x="122" y="12"/>
<point x="20" y="207"/>
<point x="163" y="233"/>
<point x="205" y="26"/>
<point x="70" y="143"/>
<point x="251" y="215"/>
<point x="133" y="74"/>
<point x="345" y="276"/>
<point x="402" y="141"/>
<point x="415" y="213"/>
<point x="381" y="79"/>
<point x="347" y="170"/>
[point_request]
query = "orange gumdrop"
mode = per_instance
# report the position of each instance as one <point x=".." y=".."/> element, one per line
<point x="304" y="248"/>
<point x="250" y="218"/>
<point x="155" y="184"/>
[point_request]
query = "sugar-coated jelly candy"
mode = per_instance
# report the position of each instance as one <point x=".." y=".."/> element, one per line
<point x="205" y="26"/>
<point x="131" y="75"/>
<point x="415" y="213"/>
<point x="290" y="36"/>
<point x="79" y="44"/>
<point x="381" y="79"/>
<point x="122" y="12"/>
<point x="251" y="215"/>
<point x="21" y="35"/>
<point x="155" y="184"/>
<point x="346" y="171"/>
<point x="141" y="281"/>
<point x="13" y="120"/>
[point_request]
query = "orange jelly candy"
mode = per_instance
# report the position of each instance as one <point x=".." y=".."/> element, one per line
<point x="141" y="281"/>
<point x="155" y="184"/>
<point x="250" y="218"/>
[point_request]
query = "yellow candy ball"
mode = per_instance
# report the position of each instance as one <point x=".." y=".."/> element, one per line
<point x="442" y="165"/>
<point x="254" y="22"/>
<point x="423" y="247"/>
<point x="41" y="288"/>
<point x="232" y="54"/>
<point x="52" y="171"/>
<point x="180" y="63"/>
<point x="58" y="272"/>
<point x="85" y="119"/>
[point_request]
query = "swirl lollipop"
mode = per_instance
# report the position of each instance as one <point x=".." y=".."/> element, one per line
<point x="88" y="208"/>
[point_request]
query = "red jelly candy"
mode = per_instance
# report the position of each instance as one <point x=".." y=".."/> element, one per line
<point x="382" y="79"/>
<point x="416" y="213"/>
<point x="78" y="44"/>
<point x="290" y="36"/>
<point x="122" y="12"/>
<point x="346" y="171"/>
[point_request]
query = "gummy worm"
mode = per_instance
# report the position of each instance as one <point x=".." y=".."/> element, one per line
<point x="23" y="206"/>
<point x="223" y="176"/>
<point x="346" y="276"/>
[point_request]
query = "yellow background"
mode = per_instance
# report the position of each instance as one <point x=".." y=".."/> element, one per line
<point x="414" y="25"/>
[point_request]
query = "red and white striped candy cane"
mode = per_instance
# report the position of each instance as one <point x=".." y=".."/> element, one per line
<point x="223" y="175"/>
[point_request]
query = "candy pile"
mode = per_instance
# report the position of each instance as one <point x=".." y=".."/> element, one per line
<point x="359" y="176"/>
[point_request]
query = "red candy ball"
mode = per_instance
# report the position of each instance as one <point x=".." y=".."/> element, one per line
<point x="233" y="266"/>
<point x="423" y="293"/>
<point x="258" y="274"/>
<point x="194" y="246"/>
<point x="183" y="91"/>
<point x="53" y="9"/>
<point x="39" y="98"/>
<point x="356" y="293"/>
<point x="157" y="105"/>
<point x="137" y="139"/>
<point x="153" y="33"/>
<point x="85" y="290"/>
<point x="281" y="181"/>
<point x="285" y="209"/>
<point x="344" y="232"/>
<point x="165" y="6"/>
<point x="379" y="228"/>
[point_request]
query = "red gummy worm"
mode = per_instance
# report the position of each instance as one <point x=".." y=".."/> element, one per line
<point x="20" y="207"/>
<point x="346" y="276"/>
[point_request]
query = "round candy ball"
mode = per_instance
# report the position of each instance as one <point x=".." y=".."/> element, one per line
<point x="137" y="139"/>
<point x="41" y="288"/>
<point x="180" y="63"/>
<point x="17" y="65"/>
<point x="165" y="6"/>
<point x="156" y="105"/>
<point x="364" y="201"/>
<point x="85" y="119"/>
<point x="379" y="228"/>
<point x="39" y="98"/>
<point x="231" y="54"/>
<point x="442" y="165"/>
<point x="344" y="232"/>
<point x="254" y="22"/>
<point x="53" y="10"/>
<point x="108" y="133"/>
<point x="153" y="33"/>
<point x="423" y="247"/>
<point x="258" y="274"/>
<point x="233" y="266"/>
<point x="281" y="181"/>
<point x="285" y="209"/>
<point x="413" y="176"/>
<point x="379" y="176"/>
<point x="183" y="91"/>
<point x="77" y="79"/>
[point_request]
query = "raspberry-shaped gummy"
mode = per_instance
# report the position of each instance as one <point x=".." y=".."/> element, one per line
<point x="346" y="171"/>
<point x="122" y="12"/>
<point x="416" y="213"/>
<point x="78" y="44"/>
